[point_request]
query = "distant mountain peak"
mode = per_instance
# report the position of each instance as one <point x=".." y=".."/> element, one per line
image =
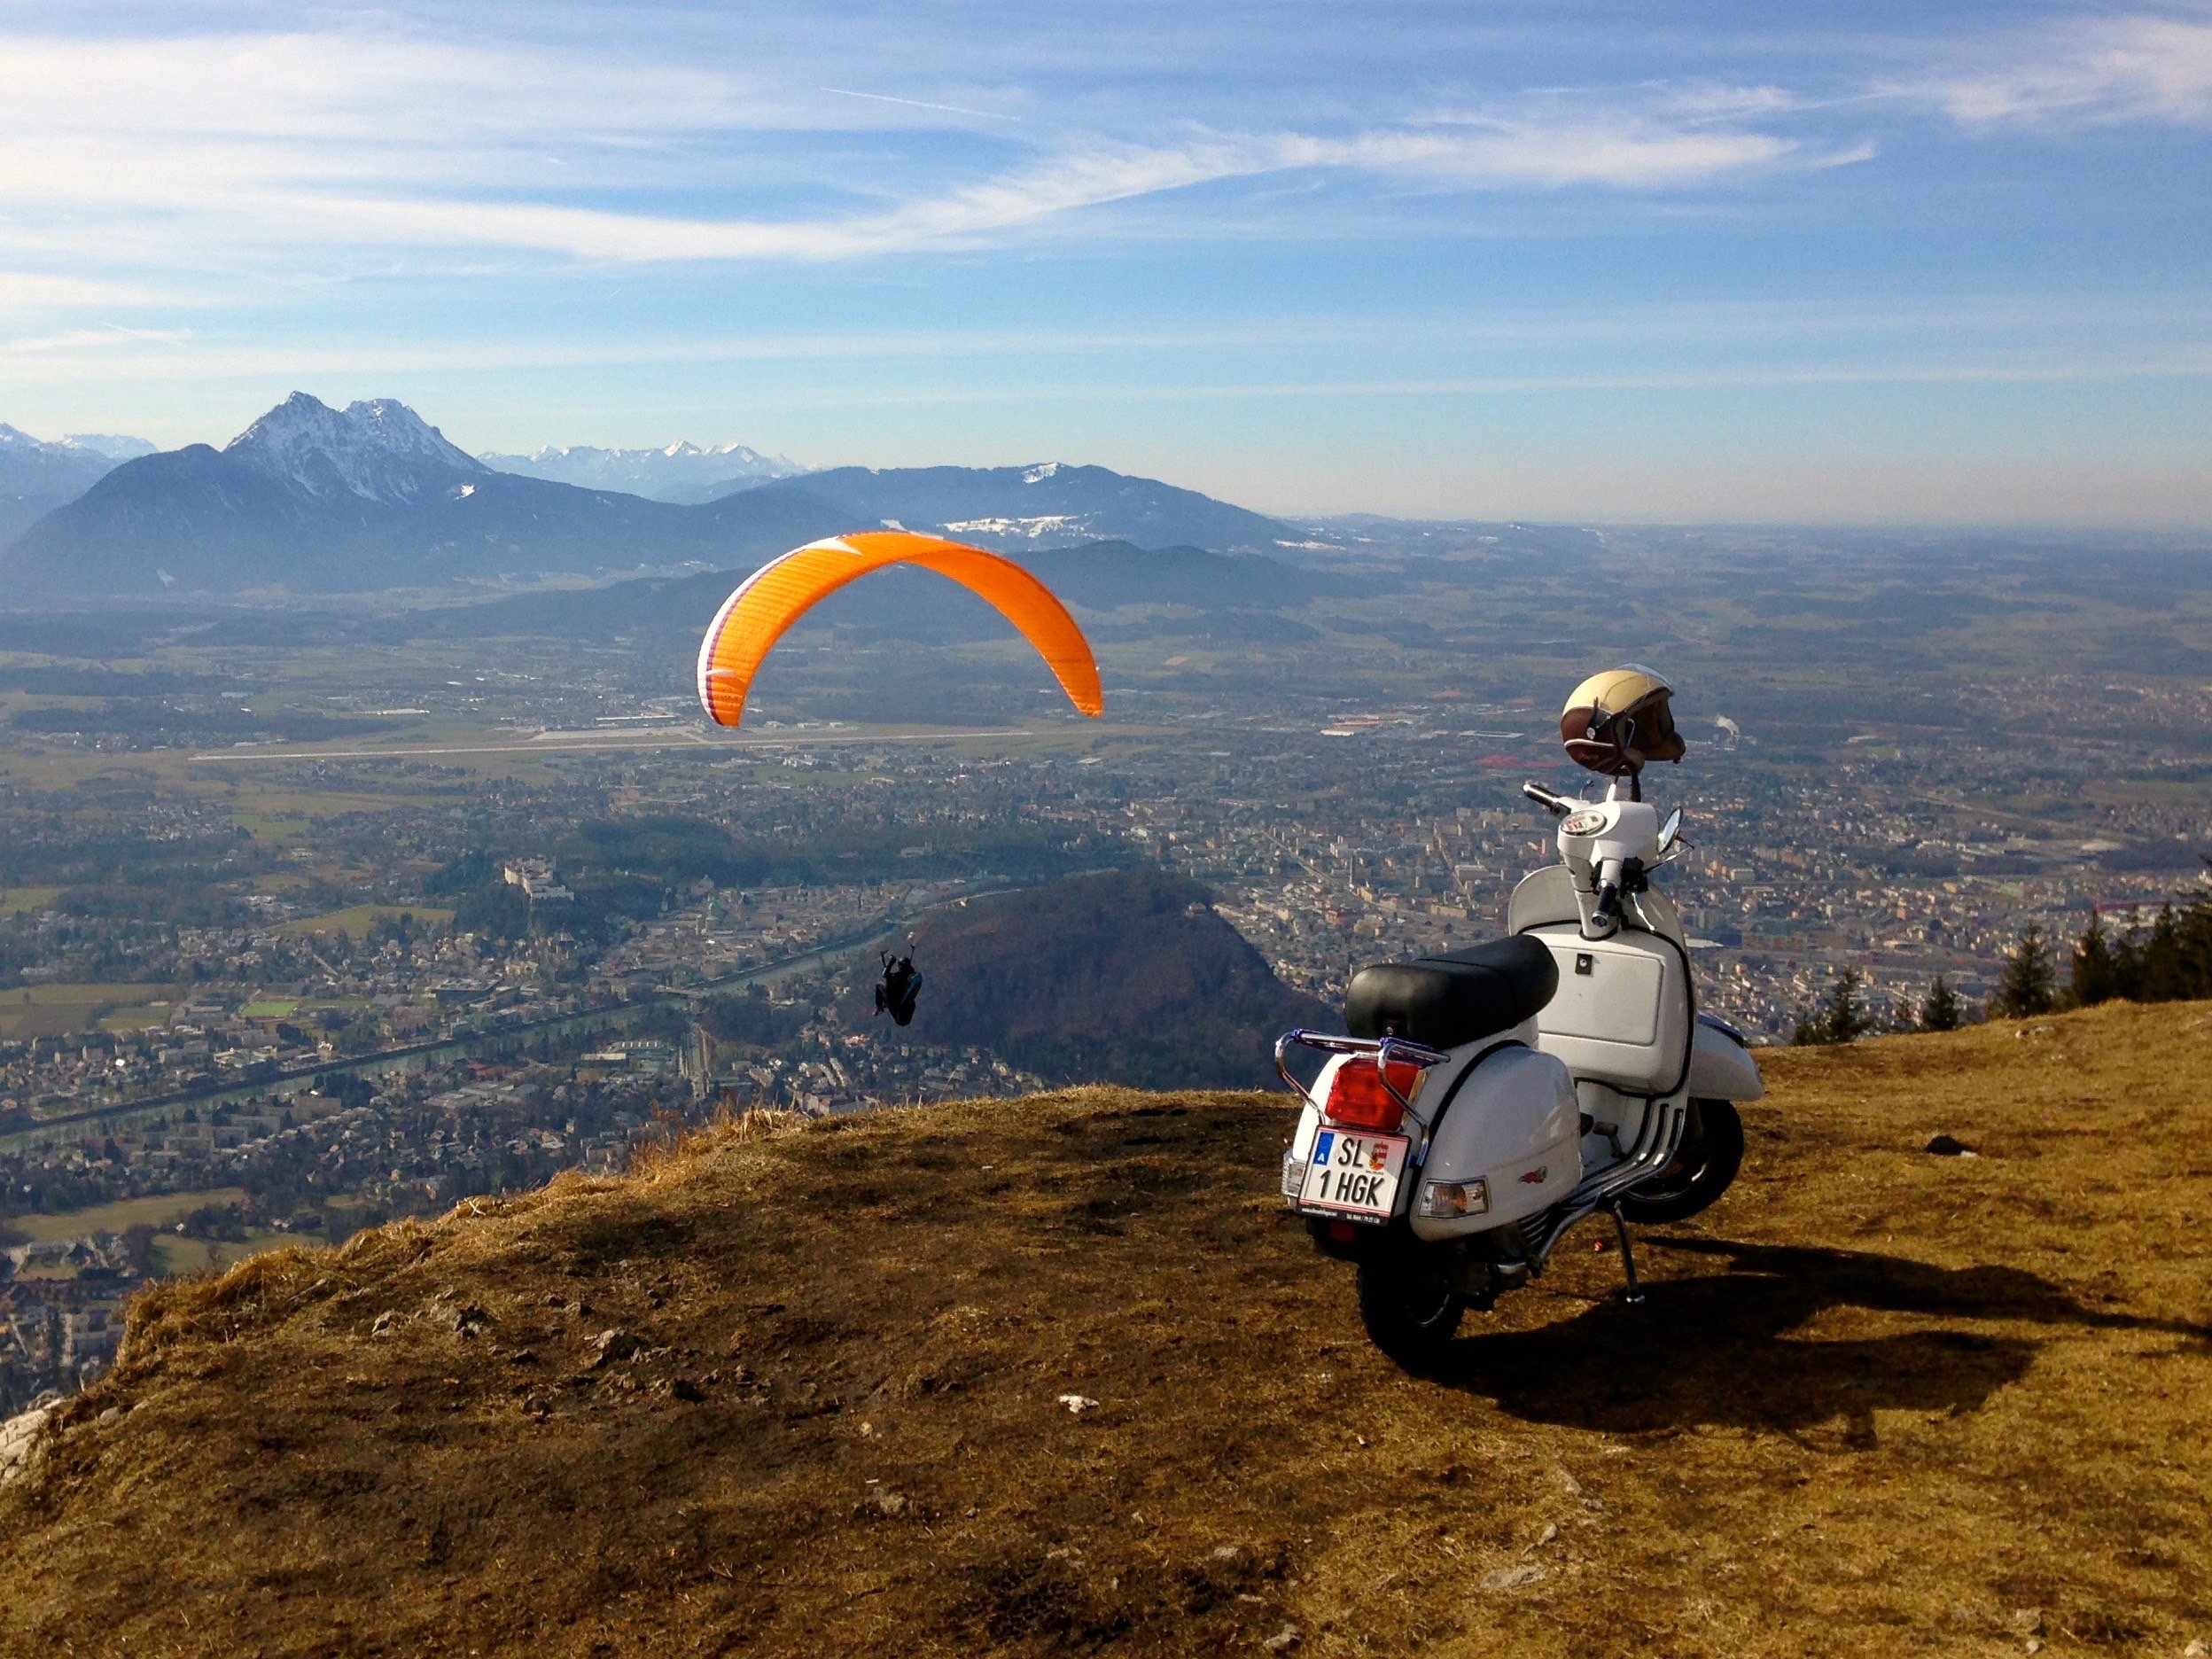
<point x="377" y="449"/>
<point x="1039" y="473"/>
<point x="106" y="445"/>
<point x="36" y="474"/>
<point x="678" y="471"/>
<point x="114" y="446"/>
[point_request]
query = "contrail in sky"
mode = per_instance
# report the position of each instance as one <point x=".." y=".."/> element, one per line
<point x="950" y="109"/>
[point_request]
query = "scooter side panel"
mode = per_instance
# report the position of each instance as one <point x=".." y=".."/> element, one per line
<point x="1623" y="1012"/>
<point x="1515" y="1126"/>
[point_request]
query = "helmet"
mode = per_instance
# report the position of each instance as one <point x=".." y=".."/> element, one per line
<point x="1616" y="721"/>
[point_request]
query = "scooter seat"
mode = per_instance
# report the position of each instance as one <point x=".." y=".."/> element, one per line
<point x="1459" y="996"/>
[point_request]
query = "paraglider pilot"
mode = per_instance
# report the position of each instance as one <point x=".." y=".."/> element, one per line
<point x="901" y="985"/>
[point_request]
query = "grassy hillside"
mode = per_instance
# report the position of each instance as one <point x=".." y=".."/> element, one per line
<point x="1880" y="1402"/>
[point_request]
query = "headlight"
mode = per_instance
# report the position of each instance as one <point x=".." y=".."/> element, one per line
<point x="1448" y="1200"/>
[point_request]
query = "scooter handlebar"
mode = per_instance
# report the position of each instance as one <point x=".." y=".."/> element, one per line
<point x="1558" y="805"/>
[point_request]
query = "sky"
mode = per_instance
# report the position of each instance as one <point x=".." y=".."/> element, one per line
<point x="1884" y="264"/>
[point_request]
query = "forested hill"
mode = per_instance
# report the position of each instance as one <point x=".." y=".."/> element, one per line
<point x="1118" y="975"/>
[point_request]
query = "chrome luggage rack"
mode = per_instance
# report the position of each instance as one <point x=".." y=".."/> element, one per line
<point x="1384" y="1050"/>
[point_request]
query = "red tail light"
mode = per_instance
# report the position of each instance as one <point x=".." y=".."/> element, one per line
<point x="1358" y="1100"/>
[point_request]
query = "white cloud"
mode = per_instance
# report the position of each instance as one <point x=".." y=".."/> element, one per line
<point x="197" y="151"/>
<point x="2096" y="70"/>
<point x="27" y="293"/>
<point x="287" y="151"/>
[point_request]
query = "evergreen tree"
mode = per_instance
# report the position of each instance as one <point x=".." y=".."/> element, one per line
<point x="2166" y="973"/>
<point x="2097" y="976"/>
<point x="1941" y="1011"/>
<point x="2030" y="987"/>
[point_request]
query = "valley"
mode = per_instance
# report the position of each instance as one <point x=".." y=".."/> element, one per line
<point x="356" y="910"/>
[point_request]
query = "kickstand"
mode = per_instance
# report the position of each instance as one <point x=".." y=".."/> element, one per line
<point x="1635" y="1296"/>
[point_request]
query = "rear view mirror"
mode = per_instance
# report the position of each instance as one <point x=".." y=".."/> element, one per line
<point x="1670" y="829"/>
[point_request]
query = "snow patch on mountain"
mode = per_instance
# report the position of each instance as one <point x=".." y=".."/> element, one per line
<point x="1030" y="529"/>
<point x="377" y="449"/>
<point x="1040" y="473"/>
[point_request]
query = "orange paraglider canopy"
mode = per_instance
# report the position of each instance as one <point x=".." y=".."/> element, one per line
<point x="780" y="592"/>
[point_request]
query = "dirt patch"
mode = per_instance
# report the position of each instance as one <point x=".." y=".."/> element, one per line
<point x="807" y="1392"/>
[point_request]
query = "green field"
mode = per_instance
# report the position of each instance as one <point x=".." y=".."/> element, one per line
<point x="174" y="1254"/>
<point x="159" y="1211"/>
<point x="16" y="901"/>
<point x="361" y="918"/>
<point x="52" y="1010"/>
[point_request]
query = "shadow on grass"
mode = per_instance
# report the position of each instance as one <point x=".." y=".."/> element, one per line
<point x="1715" y="1350"/>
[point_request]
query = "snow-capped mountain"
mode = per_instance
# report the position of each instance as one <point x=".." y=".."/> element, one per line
<point x="113" y="446"/>
<point x="32" y="466"/>
<point x="310" y="498"/>
<point x="674" y="472"/>
<point x="36" y="477"/>
<point x="379" y="450"/>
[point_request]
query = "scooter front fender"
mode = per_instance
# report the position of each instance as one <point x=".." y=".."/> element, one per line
<point x="1721" y="1068"/>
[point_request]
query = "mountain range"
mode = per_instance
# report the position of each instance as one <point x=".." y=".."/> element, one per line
<point x="313" y="499"/>
<point x="1047" y="505"/>
<point x="676" y="472"/>
<point x="36" y="477"/>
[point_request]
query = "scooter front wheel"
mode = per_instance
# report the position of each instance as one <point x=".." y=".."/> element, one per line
<point x="1409" y="1308"/>
<point x="1710" y="1154"/>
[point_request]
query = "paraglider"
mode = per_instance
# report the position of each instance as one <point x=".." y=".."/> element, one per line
<point x="774" y="597"/>
<point x="900" y="986"/>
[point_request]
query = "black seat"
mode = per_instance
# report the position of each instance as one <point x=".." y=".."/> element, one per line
<point x="1460" y="996"/>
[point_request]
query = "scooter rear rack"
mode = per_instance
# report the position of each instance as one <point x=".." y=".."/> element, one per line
<point x="1386" y="1052"/>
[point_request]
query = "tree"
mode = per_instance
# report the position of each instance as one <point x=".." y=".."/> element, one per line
<point x="2030" y="987"/>
<point x="1941" y="1011"/>
<point x="2097" y="976"/>
<point x="1843" y="1018"/>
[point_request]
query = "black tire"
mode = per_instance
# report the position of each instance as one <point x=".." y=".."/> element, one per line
<point x="1410" y="1310"/>
<point x="1711" y="1153"/>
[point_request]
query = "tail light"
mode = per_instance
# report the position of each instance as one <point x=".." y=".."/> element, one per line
<point x="1358" y="1099"/>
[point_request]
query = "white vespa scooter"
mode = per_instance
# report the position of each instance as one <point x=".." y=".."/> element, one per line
<point x="1490" y="1098"/>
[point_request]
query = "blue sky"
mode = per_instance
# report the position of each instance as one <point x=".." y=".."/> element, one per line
<point x="1877" y="263"/>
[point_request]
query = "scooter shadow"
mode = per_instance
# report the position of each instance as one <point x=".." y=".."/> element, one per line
<point x="1715" y="1350"/>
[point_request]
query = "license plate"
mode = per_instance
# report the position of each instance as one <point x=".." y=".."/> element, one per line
<point x="1354" y="1174"/>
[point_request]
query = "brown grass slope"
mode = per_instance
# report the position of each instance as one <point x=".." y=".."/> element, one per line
<point x="1878" y="1402"/>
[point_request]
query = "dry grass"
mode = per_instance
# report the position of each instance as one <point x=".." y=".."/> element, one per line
<point x="1878" y="1402"/>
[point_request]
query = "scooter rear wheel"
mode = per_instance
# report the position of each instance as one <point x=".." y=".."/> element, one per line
<point x="1408" y="1308"/>
<point x="1711" y="1155"/>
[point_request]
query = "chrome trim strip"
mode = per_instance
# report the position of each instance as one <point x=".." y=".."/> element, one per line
<point x="1660" y="1138"/>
